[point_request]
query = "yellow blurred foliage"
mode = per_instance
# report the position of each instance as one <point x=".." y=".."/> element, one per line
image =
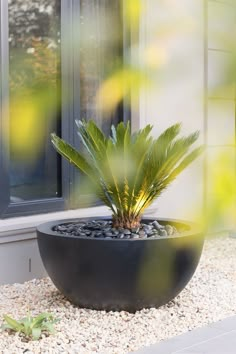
<point x="25" y="122"/>
<point x="155" y="56"/>
<point x="118" y="86"/>
<point x="132" y="11"/>
<point x="221" y="206"/>
<point x="30" y="119"/>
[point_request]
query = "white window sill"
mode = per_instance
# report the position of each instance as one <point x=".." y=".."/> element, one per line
<point x="20" y="228"/>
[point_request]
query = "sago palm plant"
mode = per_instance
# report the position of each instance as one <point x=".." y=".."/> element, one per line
<point x="128" y="171"/>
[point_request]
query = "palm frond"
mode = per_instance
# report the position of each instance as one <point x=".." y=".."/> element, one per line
<point x="160" y="185"/>
<point x="71" y="154"/>
<point x="80" y="162"/>
<point x="129" y="170"/>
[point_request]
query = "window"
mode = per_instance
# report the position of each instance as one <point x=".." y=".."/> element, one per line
<point x="54" y="55"/>
<point x="34" y="90"/>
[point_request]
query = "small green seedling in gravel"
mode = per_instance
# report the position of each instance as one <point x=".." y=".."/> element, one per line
<point x="31" y="327"/>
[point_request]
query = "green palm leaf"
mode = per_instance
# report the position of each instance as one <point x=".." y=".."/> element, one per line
<point x="71" y="154"/>
<point x="129" y="170"/>
<point x="80" y="161"/>
<point x="162" y="184"/>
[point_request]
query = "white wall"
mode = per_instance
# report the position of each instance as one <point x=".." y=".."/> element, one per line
<point x="220" y="115"/>
<point x="175" y="28"/>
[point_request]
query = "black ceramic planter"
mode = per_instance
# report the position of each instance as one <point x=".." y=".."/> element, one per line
<point x="116" y="274"/>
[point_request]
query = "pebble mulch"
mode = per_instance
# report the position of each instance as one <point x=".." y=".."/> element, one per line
<point x="104" y="229"/>
<point x="209" y="296"/>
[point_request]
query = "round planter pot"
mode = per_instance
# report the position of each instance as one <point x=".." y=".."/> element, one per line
<point x="118" y="274"/>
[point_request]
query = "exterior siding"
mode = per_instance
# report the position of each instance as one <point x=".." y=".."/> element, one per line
<point x="179" y="93"/>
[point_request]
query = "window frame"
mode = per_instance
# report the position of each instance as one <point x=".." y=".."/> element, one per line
<point x="70" y="82"/>
<point x="8" y="209"/>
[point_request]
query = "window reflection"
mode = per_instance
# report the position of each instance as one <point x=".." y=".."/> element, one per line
<point x="101" y="52"/>
<point x="34" y="83"/>
<point x="34" y="49"/>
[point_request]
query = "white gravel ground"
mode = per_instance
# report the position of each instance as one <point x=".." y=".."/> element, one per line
<point x="210" y="296"/>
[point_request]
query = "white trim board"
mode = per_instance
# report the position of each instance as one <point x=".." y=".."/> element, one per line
<point x="23" y="228"/>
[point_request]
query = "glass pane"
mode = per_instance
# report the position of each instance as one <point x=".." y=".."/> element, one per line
<point x="101" y="53"/>
<point x="34" y="81"/>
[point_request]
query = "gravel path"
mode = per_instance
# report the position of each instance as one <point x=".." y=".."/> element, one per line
<point x="210" y="296"/>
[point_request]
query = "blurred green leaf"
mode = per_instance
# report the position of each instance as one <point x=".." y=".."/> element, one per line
<point x="30" y="327"/>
